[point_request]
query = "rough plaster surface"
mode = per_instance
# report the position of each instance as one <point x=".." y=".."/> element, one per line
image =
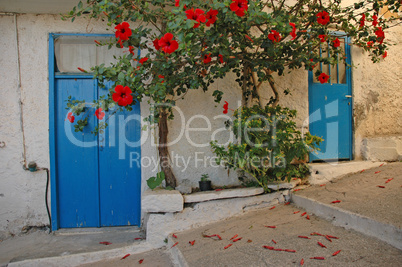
<point x="160" y="200"/>
<point x="376" y="91"/>
<point x="382" y="148"/>
<point x="159" y="226"/>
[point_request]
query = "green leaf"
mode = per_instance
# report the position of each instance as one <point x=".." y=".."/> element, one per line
<point x="154" y="182"/>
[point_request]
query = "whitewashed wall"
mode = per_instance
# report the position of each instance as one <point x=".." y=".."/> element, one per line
<point x="376" y="89"/>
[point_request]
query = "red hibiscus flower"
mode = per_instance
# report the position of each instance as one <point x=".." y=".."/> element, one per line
<point x="99" y="114"/>
<point x="323" y="18"/>
<point x="160" y="76"/>
<point x="225" y="107"/>
<point x="380" y="35"/>
<point x="220" y="58"/>
<point x="322" y="37"/>
<point x="123" y="31"/>
<point x="177" y="4"/>
<point x="197" y="15"/>
<point x="239" y="7"/>
<point x="385" y="54"/>
<point x="167" y="44"/>
<point x="336" y="42"/>
<point x="362" y="20"/>
<point x="131" y="49"/>
<point x="122" y="95"/>
<point x="274" y="36"/>
<point x="370" y="44"/>
<point x="293" y="32"/>
<point x="156" y="44"/>
<point x="375" y="21"/>
<point x="70" y="117"/>
<point x="142" y="60"/>
<point x="323" y="78"/>
<point x="211" y="17"/>
<point x="207" y="58"/>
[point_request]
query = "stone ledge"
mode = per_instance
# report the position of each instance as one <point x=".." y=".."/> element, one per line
<point x="161" y="200"/>
<point x="226" y="193"/>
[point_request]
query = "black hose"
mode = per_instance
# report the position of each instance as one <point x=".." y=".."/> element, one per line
<point x="46" y="198"/>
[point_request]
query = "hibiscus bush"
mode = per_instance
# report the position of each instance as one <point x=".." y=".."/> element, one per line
<point x="188" y="44"/>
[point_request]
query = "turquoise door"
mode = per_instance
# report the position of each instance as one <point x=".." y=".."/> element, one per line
<point x="330" y="109"/>
<point x="96" y="186"/>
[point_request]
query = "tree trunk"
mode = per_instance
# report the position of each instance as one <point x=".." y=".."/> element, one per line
<point x="164" y="151"/>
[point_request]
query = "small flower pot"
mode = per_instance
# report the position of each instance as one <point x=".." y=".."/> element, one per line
<point x="205" y="185"/>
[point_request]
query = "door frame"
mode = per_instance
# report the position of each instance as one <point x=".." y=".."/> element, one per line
<point x="349" y="77"/>
<point x="55" y="223"/>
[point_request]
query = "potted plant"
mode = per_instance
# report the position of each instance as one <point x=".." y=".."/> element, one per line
<point x="205" y="183"/>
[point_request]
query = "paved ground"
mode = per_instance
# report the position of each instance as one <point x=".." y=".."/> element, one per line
<point x="357" y="192"/>
<point x="40" y="244"/>
<point x="155" y="258"/>
<point x="356" y="249"/>
<point x="360" y="193"/>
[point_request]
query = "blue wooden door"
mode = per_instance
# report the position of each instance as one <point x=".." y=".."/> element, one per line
<point x="330" y="109"/>
<point x="96" y="186"/>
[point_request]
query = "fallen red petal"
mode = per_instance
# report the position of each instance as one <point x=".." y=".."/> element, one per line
<point x="381" y="165"/>
<point x="287" y="203"/>
<point x="296" y="212"/>
<point x="237" y="239"/>
<point x="228" y="246"/>
<point x="274" y="241"/>
<point x="125" y="257"/>
<point x="278" y="249"/>
<point x="331" y="236"/>
<point x="302" y="236"/>
<point x="218" y="189"/>
<point x="377" y="172"/>
<point x="105" y="243"/>
<point x="140" y="261"/>
<point x="302" y="262"/>
<point x="329" y="239"/>
<point x="290" y="250"/>
<point x="249" y="241"/>
<point x="321" y="244"/>
<point x="317" y="258"/>
<point x="389" y="180"/>
<point x="296" y="190"/>
<point x="268" y="247"/>
<point x="322" y="184"/>
<point x="236" y="235"/>
<point x="336" y="253"/>
<point x="138" y="238"/>
<point x="191" y="242"/>
<point x="269" y="226"/>
<point x="272" y="208"/>
<point x="308" y="217"/>
<point x="175" y="244"/>
<point x="218" y="236"/>
<point x="380" y="186"/>
<point x="304" y="213"/>
<point x="362" y="170"/>
<point x="336" y="201"/>
<point x="175" y="236"/>
<point x="315" y="233"/>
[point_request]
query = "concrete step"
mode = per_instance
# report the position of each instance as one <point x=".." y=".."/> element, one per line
<point x="369" y="202"/>
<point x="356" y="249"/>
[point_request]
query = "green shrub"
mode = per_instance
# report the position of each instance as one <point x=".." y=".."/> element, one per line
<point x="267" y="143"/>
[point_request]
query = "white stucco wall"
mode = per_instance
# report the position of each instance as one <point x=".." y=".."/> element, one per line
<point x="376" y="89"/>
